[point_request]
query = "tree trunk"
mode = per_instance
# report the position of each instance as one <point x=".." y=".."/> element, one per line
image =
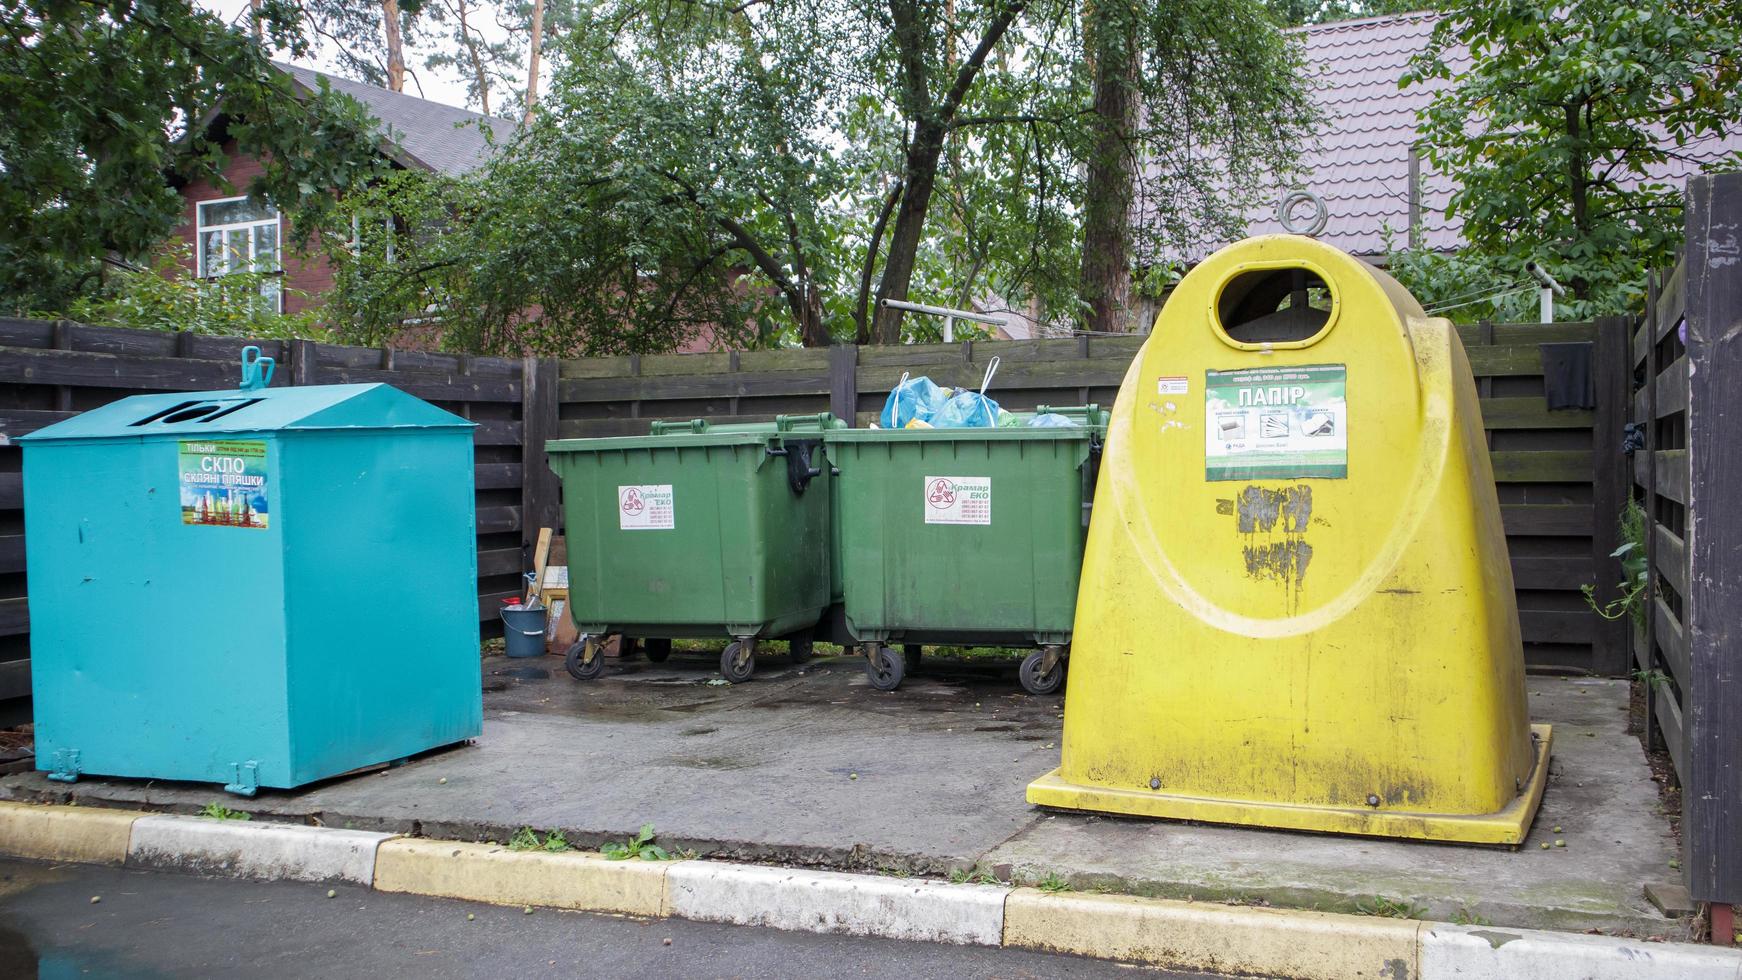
<point x="1110" y="45"/>
<point x="931" y="127"/>
<point x="921" y="172"/>
<point x="1579" y="188"/>
<point x="254" y="18"/>
<point x="533" y="55"/>
<point x="395" y="45"/>
<point x="478" y="72"/>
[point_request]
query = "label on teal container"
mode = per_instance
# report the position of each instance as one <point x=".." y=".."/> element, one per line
<point x="223" y="483"/>
<point x="1276" y="423"/>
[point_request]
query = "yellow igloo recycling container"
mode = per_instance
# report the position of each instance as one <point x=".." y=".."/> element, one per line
<point x="1296" y="608"/>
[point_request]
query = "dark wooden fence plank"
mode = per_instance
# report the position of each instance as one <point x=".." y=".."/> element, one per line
<point x="1712" y="693"/>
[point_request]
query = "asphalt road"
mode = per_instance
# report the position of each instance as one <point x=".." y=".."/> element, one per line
<point x="150" y="924"/>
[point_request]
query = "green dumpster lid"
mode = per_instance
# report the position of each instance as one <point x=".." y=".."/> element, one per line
<point x="703" y="432"/>
<point x="1091" y="423"/>
<point x="197" y="413"/>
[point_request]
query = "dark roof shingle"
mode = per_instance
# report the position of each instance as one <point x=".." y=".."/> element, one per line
<point x="440" y="137"/>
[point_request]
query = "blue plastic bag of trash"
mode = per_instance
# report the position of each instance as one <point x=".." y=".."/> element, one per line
<point x="970" y="409"/>
<point x="910" y="399"/>
<point x="1051" y="420"/>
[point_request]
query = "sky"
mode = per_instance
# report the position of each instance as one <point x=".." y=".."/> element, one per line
<point x="445" y="87"/>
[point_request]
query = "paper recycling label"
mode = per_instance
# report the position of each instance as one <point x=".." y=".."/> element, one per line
<point x="223" y="482"/>
<point x="958" y="500"/>
<point x="646" y="507"/>
<point x="1276" y="423"/>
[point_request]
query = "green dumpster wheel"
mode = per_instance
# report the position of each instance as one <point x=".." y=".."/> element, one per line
<point x="1034" y="681"/>
<point x="911" y="654"/>
<point x="885" y="667"/>
<point x="581" y="664"/>
<point x="657" y="650"/>
<point x="738" y="661"/>
<point x="800" y="648"/>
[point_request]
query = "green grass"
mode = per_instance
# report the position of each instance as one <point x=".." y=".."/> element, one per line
<point x="976" y="875"/>
<point x="218" y="811"/>
<point x="1390" y="908"/>
<point x="527" y="839"/>
<point x="1053" y="883"/>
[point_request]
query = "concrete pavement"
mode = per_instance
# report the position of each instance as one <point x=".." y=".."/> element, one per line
<point x="809" y="766"/>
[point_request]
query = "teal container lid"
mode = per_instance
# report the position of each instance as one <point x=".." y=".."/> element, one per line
<point x="253" y="407"/>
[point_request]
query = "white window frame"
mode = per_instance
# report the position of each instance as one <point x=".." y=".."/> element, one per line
<point x="272" y="289"/>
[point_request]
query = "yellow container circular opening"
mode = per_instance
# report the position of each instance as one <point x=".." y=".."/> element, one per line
<point x="1274" y="305"/>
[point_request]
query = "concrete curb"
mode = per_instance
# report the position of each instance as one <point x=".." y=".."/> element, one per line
<point x="1211" y="937"/>
<point x="245" y="849"/>
<point x="1180" y="935"/>
<point x="77" y="834"/>
<point x="494" y="874"/>
<point x="833" y="901"/>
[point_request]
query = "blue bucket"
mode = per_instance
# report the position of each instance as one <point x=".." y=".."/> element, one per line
<point x="523" y="629"/>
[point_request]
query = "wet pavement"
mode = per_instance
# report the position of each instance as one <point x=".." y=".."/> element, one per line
<point x="808" y="765"/>
<point x="152" y="925"/>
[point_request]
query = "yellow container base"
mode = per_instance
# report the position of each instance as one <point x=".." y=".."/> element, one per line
<point x="1508" y="826"/>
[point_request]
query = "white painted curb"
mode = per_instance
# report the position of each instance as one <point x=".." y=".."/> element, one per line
<point x="830" y="901"/>
<point x="244" y="849"/>
<point x="1495" y="953"/>
<point x="894" y="908"/>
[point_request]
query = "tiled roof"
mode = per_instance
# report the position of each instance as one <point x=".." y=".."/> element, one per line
<point x="440" y="137"/>
<point x="1359" y="164"/>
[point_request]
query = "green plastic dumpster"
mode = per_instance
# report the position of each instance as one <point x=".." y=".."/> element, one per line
<point x="964" y="536"/>
<point x="697" y="530"/>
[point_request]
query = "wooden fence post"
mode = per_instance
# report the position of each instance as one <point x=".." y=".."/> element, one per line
<point x="844" y="382"/>
<point x="302" y="362"/>
<point x="1610" y="483"/>
<point x="1712" y="789"/>
<point x="540" y="505"/>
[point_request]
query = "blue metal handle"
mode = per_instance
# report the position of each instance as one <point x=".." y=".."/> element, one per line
<point x="256" y="370"/>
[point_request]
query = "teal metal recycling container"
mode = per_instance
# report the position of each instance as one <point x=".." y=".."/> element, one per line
<point x="256" y="587"/>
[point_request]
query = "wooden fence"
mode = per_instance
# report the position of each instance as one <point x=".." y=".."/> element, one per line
<point x="1560" y="474"/>
<point x="1558" y="477"/>
<point x="53" y="370"/>
<point x="1687" y="365"/>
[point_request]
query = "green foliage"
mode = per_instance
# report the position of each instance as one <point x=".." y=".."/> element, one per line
<point x="1052" y="882"/>
<point x="1635" y="582"/>
<point x="218" y="811"/>
<point x="640" y="846"/>
<point x="169" y="297"/>
<point x="976" y="875"/>
<point x="701" y="167"/>
<point x="1293" y="13"/>
<point x="1465" y="286"/>
<point x="527" y="839"/>
<point x="1559" y="118"/>
<point x="1390" y="908"/>
<point x="1465" y="917"/>
<point x="99" y="101"/>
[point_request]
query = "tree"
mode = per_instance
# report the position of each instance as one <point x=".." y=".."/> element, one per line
<point x="699" y="164"/>
<point x="1293" y="13"/>
<point x="486" y="64"/>
<point x="1196" y="109"/>
<point x="369" y="37"/>
<point x="105" y="100"/>
<point x="1561" y="117"/>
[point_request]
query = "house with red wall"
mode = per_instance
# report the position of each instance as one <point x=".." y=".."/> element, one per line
<point x="225" y="231"/>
